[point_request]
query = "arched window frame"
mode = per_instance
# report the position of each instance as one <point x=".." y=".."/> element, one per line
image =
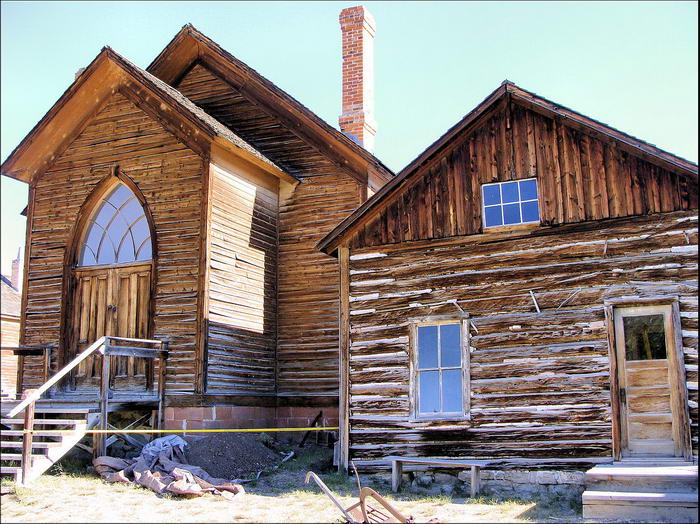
<point x="92" y="205"/>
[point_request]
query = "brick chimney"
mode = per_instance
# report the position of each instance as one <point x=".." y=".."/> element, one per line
<point x="14" y="277"/>
<point x="357" y="120"/>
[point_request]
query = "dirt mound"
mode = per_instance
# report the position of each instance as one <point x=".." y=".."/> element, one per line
<point x="231" y="455"/>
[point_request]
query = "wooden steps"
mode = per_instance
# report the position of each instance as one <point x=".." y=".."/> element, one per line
<point x="61" y="429"/>
<point x="642" y="491"/>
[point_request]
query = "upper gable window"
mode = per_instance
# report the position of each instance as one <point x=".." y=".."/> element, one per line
<point x="118" y="232"/>
<point x="510" y="203"/>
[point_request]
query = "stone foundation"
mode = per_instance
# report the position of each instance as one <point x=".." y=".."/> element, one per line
<point x="254" y="417"/>
<point x="516" y="484"/>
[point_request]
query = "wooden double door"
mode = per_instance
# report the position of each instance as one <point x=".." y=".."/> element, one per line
<point x="112" y="301"/>
<point x="652" y="396"/>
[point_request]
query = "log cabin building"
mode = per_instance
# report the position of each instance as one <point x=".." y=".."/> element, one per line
<point x="524" y="292"/>
<point x="184" y="203"/>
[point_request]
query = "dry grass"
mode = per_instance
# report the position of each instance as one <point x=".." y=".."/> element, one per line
<point x="69" y="494"/>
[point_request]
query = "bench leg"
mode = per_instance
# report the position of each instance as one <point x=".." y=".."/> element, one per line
<point x="396" y="472"/>
<point x="476" y="479"/>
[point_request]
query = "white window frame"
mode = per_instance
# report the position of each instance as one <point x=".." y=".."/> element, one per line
<point x="414" y="390"/>
<point x="503" y="224"/>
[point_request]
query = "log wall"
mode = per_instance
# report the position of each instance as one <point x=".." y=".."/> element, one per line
<point x="170" y="177"/>
<point x="579" y="178"/>
<point x="242" y="294"/>
<point x="539" y="381"/>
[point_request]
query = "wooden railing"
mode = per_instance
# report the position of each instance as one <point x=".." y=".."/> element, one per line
<point x="30" y="351"/>
<point x="108" y="347"/>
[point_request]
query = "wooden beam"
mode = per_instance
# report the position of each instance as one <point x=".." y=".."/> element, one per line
<point x="344" y="358"/>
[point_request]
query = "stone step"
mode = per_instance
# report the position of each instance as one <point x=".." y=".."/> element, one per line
<point x="13" y="471"/>
<point x="640" y="506"/>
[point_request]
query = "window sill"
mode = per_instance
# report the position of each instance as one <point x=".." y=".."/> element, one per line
<point x="514" y="227"/>
<point x="440" y="418"/>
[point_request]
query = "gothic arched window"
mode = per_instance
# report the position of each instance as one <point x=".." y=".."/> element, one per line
<point x="118" y="232"/>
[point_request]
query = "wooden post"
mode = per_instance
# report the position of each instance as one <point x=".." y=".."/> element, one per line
<point x="20" y="376"/>
<point x="99" y="440"/>
<point x="161" y="382"/>
<point x="396" y="472"/>
<point x="476" y="480"/>
<point x="47" y="369"/>
<point x="343" y="358"/>
<point x="27" y="438"/>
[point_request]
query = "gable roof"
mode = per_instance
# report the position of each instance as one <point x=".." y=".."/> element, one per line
<point x="189" y="47"/>
<point x="507" y="90"/>
<point x="108" y="73"/>
<point x="10" y="299"/>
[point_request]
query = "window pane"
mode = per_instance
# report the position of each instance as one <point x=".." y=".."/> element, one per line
<point x="131" y="211"/>
<point x="511" y="214"/>
<point x="106" y="254"/>
<point x="531" y="211"/>
<point x="145" y="251"/>
<point x="94" y="237"/>
<point x="510" y="192"/>
<point x="492" y="195"/>
<point x="120" y="195"/>
<point x="105" y="214"/>
<point x="452" y="390"/>
<point x="140" y="231"/>
<point x="492" y="216"/>
<point x="88" y="257"/>
<point x="528" y="189"/>
<point x="127" y="252"/>
<point x="427" y="347"/>
<point x="645" y="338"/>
<point x="450" y="347"/>
<point x="429" y="394"/>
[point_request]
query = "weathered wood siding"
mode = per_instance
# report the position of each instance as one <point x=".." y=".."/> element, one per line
<point x="170" y="177"/>
<point x="539" y="381"/>
<point x="242" y="284"/>
<point x="579" y="178"/>
<point x="9" y="336"/>
<point x="307" y="352"/>
<point x="307" y="289"/>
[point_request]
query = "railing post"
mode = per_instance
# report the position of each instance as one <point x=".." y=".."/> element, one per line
<point x="27" y="438"/>
<point x="47" y="368"/>
<point x="100" y="439"/>
<point x="161" y="381"/>
<point x="20" y="376"/>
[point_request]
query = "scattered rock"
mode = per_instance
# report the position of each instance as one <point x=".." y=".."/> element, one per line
<point x="447" y="489"/>
<point x="444" y="478"/>
<point x="424" y="481"/>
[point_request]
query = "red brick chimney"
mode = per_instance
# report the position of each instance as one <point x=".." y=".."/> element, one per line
<point x="14" y="277"/>
<point x="357" y="120"/>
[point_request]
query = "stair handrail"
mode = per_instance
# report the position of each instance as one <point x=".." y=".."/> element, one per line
<point x="36" y="394"/>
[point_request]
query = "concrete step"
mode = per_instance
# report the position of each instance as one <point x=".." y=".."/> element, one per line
<point x="640" y="506"/>
<point x="650" y="478"/>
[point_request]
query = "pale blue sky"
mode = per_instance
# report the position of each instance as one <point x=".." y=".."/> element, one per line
<point x="632" y="65"/>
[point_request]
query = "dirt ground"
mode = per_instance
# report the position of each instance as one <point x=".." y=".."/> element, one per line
<point x="69" y="494"/>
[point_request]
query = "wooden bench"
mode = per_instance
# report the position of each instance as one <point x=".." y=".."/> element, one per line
<point x="475" y="466"/>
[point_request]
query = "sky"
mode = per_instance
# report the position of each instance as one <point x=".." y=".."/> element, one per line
<point x="631" y="65"/>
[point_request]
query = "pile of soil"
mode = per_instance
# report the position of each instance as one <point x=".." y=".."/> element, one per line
<point x="231" y="455"/>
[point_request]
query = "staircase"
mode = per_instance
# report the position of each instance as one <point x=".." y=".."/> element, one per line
<point x="647" y="492"/>
<point x="61" y="429"/>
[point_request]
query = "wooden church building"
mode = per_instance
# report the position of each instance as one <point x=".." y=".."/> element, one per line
<point x="184" y="203"/>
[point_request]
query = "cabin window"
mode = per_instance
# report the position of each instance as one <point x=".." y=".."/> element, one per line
<point x="118" y="232"/>
<point x="510" y="203"/>
<point x="440" y="366"/>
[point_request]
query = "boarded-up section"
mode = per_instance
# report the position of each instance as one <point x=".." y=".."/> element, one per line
<point x="580" y="177"/>
<point x="539" y="381"/>
<point x="170" y="177"/>
<point x="242" y="283"/>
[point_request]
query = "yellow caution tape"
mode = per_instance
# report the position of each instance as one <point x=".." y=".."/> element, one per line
<point x="40" y="432"/>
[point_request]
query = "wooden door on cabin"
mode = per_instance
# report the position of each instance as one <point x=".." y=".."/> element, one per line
<point x="112" y="287"/>
<point x="651" y="410"/>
